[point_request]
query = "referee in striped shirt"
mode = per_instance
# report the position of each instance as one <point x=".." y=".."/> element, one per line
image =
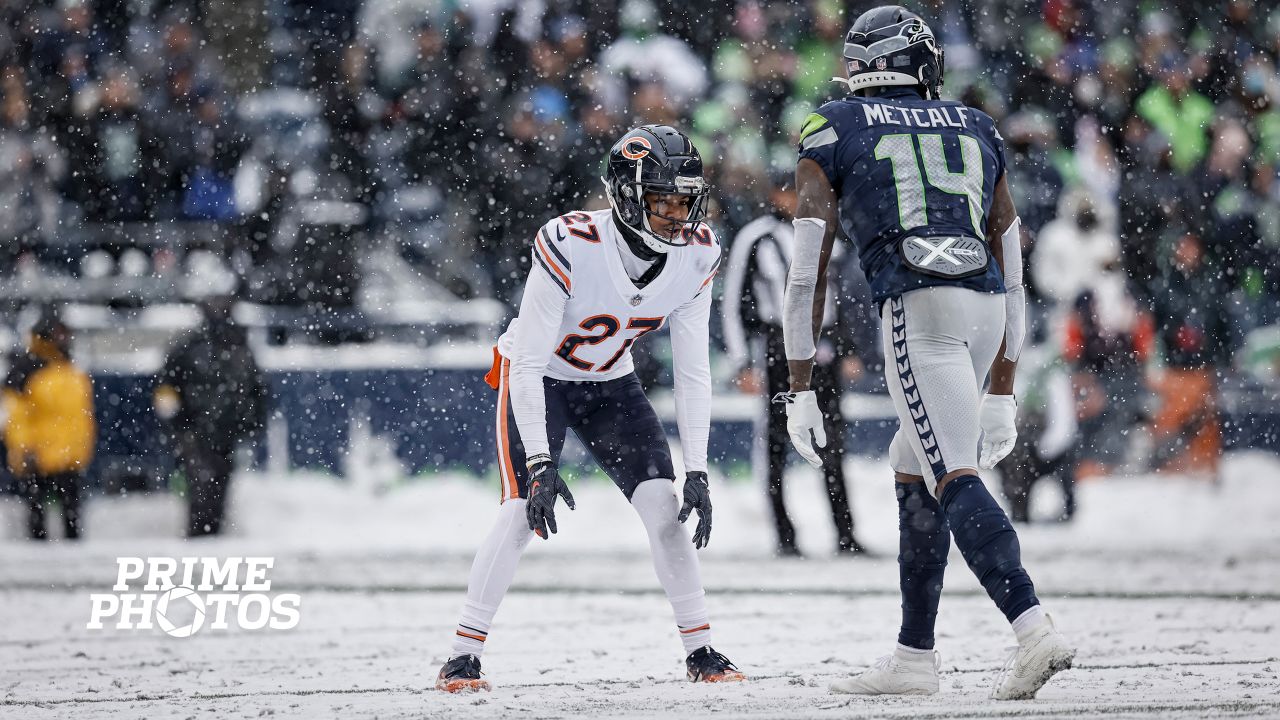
<point x="755" y="279"/>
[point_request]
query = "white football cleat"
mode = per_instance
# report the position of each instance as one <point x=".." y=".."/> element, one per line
<point x="1041" y="656"/>
<point x="901" y="673"/>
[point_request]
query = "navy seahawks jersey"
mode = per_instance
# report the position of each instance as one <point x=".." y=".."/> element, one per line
<point x="915" y="179"/>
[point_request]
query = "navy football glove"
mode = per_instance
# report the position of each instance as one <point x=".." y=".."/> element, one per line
<point x="544" y="485"/>
<point x="697" y="496"/>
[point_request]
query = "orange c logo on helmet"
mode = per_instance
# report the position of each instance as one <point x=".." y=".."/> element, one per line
<point x="630" y="154"/>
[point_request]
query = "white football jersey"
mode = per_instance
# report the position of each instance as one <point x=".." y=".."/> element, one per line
<point x="605" y="312"/>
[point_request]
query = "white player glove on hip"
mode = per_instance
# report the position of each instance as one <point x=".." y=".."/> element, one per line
<point x="999" y="429"/>
<point x="804" y="424"/>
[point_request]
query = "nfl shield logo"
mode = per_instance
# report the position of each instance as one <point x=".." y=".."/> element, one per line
<point x="637" y="300"/>
<point x="881" y="63"/>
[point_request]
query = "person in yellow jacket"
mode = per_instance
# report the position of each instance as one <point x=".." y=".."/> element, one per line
<point x="50" y="432"/>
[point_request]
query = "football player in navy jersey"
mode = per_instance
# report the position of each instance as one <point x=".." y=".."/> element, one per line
<point x="918" y="185"/>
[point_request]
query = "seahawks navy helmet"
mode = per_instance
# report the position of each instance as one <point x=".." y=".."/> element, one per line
<point x="892" y="46"/>
<point x="655" y="159"/>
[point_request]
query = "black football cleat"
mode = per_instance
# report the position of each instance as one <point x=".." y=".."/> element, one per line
<point x="461" y="674"/>
<point x="707" y="665"/>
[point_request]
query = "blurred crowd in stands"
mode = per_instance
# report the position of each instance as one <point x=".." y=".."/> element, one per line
<point x="1144" y="144"/>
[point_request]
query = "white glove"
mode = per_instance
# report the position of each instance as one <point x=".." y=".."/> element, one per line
<point x="804" y="424"/>
<point x="999" y="429"/>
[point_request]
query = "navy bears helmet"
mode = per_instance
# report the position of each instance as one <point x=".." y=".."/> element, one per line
<point x="892" y="46"/>
<point x="655" y="159"/>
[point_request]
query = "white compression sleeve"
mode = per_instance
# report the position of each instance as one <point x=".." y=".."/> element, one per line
<point x="674" y="559"/>
<point x="802" y="283"/>
<point x="1014" y="297"/>
<point x="691" y="361"/>
<point x="491" y="574"/>
<point x="541" y="311"/>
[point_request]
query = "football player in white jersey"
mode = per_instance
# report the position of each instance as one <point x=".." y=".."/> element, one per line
<point x="600" y="280"/>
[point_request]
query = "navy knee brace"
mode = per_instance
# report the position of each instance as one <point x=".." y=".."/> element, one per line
<point x="989" y="544"/>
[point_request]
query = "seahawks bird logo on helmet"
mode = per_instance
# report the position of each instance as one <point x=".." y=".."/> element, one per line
<point x="655" y="159"/>
<point x="892" y="46"/>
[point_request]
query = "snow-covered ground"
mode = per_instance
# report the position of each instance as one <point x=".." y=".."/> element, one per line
<point x="1170" y="588"/>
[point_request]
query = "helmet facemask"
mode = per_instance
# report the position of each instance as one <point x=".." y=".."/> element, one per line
<point x="631" y="207"/>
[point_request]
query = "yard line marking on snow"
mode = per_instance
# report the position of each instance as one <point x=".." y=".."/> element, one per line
<point x="1057" y="709"/>
<point x="984" y="669"/>
<point x="374" y="588"/>
<point x="870" y="708"/>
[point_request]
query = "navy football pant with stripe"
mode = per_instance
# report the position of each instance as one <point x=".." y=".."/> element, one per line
<point x="613" y="419"/>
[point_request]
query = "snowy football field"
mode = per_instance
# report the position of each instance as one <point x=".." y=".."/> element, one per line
<point x="1170" y="588"/>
